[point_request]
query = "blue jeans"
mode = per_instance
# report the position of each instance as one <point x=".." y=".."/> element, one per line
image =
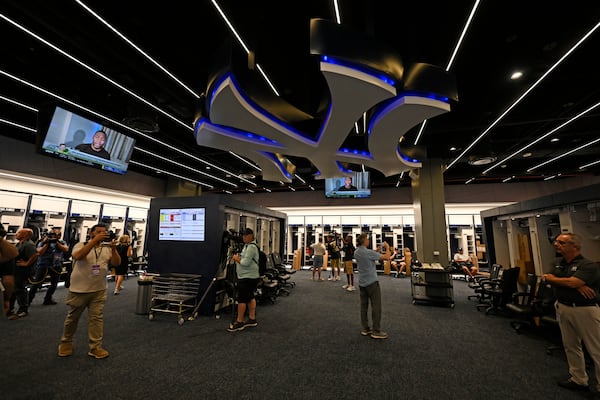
<point x="370" y="293"/>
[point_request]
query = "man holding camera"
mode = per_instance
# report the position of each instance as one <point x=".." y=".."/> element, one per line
<point x="88" y="290"/>
<point x="50" y="259"/>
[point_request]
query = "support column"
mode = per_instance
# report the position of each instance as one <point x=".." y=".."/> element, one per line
<point x="430" y="214"/>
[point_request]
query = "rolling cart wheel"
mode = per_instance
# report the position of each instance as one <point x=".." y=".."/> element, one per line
<point x="452" y="305"/>
<point x="181" y="320"/>
<point x="150" y="316"/>
<point x="414" y="302"/>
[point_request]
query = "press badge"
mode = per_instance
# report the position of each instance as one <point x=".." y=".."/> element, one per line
<point x="96" y="269"/>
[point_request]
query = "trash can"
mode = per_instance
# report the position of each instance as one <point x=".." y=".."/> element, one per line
<point x="144" y="296"/>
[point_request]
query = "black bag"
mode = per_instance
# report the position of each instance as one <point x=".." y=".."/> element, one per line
<point x="262" y="261"/>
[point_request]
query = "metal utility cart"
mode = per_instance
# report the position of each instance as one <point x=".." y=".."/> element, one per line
<point x="174" y="294"/>
<point x="431" y="285"/>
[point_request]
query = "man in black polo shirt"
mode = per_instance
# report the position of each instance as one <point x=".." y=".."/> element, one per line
<point x="576" y="283"/>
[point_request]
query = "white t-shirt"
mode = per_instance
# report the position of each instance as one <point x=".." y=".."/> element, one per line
<point x="458" y="257"/>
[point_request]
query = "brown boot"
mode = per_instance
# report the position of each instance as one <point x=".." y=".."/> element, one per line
<point x="65" y="349"/>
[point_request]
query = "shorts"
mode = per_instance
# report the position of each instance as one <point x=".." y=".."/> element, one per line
<point x="246" y="289"/>
<point x="349" y="267"/>
<point x="335" y="263"/>
<point x="318" y="261"/>
<point x="7" y="268"/>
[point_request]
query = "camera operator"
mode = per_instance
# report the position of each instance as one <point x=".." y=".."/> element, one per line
<point x="88" y="290"/>
<point x="50" y="259"/>
<point x="8" y="253"/>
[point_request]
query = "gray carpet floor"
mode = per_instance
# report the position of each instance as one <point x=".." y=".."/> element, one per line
<point x="307" y="345"/>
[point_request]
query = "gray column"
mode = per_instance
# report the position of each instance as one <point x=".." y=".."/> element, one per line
<point x="430" y="216"/>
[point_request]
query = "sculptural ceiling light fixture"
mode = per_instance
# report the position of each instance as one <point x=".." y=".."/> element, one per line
<point x="366" y="77"/>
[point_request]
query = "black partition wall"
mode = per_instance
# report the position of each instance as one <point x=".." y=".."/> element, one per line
<point x="197" y="250"/>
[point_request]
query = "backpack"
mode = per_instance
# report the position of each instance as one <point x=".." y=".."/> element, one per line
<point x="262" y="261"/>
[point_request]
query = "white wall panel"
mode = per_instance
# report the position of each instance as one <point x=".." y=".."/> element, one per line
<point x="350" y="219"/>
<point x="44" y="203"/>
<point x="13" y="200"/>
<point x="313" y="220"/>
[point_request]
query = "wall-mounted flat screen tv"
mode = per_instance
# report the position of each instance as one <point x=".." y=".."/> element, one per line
<point x="72" y="137"/>
<point x="182" y="224"/>
<point x="355" y="185"/>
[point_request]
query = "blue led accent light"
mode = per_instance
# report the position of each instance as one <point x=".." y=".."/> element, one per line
<point x="356" y="152"/>
<point x="361" y="68"/>
<point x="407" y="158"/>
<point x="341" y="167"/>
<point x="237" y="132"/>
<point x="255" y="106"/>
<point x="428" y="95"/>
<point x="276" y="160"/>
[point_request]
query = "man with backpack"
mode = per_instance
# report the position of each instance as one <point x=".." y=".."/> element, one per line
<point x="247" y="271"/>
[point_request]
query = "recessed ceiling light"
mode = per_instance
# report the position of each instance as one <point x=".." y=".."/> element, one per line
<point x="482" y="160"/>
<point x="554" y="140"/>
<point x="516" y="75"/>
<point x="526" y="155"/>
<point x="452" y="148"/>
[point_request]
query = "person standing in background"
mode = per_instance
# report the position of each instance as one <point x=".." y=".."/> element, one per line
<point x="576" y="283"/>
<point x="125" y="252"/>
<point x="248" y="277"/>
<point x="334" y="257"/>
<point x="318" y="250"/>
<point x="23" y="263"/>
<point x="88" y="290"/>
<point x="370" y="292"/>
<point x="8" y="253"/>
<point x="51" y="252"/>
<point x="349" y="263"/>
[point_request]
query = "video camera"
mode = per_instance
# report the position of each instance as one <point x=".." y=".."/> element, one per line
<point x="2" y="231"/>
<point x="51" y="237"/>
<point x="235" y="240"/>
<point x="111" y="236"/>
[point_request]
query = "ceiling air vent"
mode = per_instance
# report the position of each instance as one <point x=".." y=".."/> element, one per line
<point x="142" y="124"/>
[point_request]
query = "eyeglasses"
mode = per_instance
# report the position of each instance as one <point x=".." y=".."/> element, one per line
<point x="561" y="242"/>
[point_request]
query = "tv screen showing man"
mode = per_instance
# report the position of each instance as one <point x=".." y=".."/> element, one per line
<point x="348" y="186"/>
<point x="96" y="147"/>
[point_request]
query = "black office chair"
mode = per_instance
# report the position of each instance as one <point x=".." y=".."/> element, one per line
<point x="476" y="283"/>
<point x="500" y="292"/>
<point x="523" y="307"/>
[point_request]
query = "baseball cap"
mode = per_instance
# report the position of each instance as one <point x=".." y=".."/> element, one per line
<point x="248" y="231"/>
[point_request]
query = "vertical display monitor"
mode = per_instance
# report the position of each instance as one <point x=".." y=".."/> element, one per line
<point x="355" y="185"/>
<point x="182" y="224"/>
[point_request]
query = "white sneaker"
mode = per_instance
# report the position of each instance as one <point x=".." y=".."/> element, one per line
<point x="351" y="288"/>
<point x="345" y="286"/>
<point x="330" y="278"/>
<point x="338" y="278"/>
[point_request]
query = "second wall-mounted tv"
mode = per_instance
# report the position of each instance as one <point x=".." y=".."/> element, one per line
<point x="355" y="185"/>
<point x="73" y="137"/>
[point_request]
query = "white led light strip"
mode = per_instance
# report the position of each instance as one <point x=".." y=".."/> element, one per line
<point x="241" y="42"/>
<point x="171" y="174"/>
<point x="7" y="122"/>
<point x="47" y="92"/>
<point x="184" y="166"/>
<point x="18" y="103"/>
<point x="460" y="40"/>
<point x="565" y="154"/>
<point x="142" y="52"/>
<point x="541" y="138"/>
<point x="513" y="105"/>
<point x="96" y="72"/>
